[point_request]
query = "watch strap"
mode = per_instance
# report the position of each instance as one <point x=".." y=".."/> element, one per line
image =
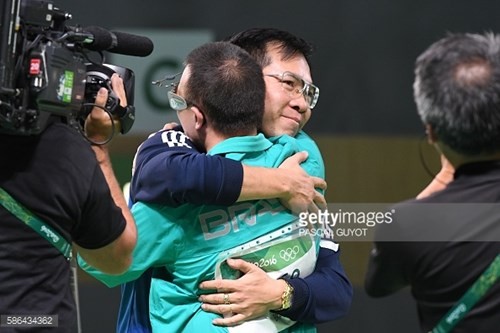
<point x="286" y="297"/>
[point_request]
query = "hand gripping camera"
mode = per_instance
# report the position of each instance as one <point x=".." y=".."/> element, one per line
<point x="46" y="69"/>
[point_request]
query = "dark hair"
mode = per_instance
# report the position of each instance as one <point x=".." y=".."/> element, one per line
<point x="457" y="91"/>
<point x="227" y="84"/>
<point x="256" y="41"/>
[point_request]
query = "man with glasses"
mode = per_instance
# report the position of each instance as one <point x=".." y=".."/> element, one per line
<point x="325" y="294"/>
<point x="290" y="96"/>
<point x="220" y="103"/>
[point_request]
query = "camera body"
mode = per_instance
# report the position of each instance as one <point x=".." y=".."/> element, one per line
<point x="46" y="71"/>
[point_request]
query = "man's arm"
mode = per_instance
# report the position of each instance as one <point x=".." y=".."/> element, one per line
<point x="290" y="183"/>
<point x="115" y="257"/>
<point x="172" y="175"/>
<point x="189" y="176"/>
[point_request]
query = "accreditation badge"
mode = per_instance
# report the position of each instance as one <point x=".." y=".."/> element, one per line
<point x="285" y="251"/>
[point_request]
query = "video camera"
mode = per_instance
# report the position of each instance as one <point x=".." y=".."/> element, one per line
<point x="46" y="69"/>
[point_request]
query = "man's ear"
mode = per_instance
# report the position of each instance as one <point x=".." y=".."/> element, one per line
<point x="199" y="117"/>
<point x="431" y="135"/>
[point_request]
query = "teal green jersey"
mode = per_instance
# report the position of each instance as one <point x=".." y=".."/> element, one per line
<point x="314" y="164"/>
<point x="192" y="242"/>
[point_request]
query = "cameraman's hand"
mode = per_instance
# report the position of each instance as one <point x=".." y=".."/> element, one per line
<point x="99" y="125"/>
<point x="119" y="89"/>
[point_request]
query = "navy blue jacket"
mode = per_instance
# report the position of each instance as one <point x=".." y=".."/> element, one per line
<point x="190" y="176"/>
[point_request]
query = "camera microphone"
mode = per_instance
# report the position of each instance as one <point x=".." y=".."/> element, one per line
<point x="118" y="42"/>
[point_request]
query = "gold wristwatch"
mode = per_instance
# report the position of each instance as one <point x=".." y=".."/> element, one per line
<point x="286" y="298"/>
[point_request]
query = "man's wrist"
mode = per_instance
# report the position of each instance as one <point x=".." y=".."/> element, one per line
<point x="286" y="297"/>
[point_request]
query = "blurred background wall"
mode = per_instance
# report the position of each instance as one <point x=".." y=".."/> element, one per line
<point x="365" y="122"/>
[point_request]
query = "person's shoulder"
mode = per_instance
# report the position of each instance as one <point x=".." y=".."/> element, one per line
<point x="303" y="139"/>
<point x="171" y="136"/>
<point x="174" y="139"/>
<point x="285" y="142"/>
<point x="301" y="135"/>
<point x="283" y="139"/>
<point x="60" y="130"/>
<point x="305" y="142"/>
<point x="62" y="139"/>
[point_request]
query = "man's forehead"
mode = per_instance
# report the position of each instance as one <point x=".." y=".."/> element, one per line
<point x="297" y="65"/>
<point x="281" y="67"/>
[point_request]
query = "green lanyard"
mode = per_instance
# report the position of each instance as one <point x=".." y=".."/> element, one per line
<point x="470" y="298"/>
<point x="44" y="230"/>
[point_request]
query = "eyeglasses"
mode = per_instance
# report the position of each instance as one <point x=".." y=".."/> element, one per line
<point x="297" y="86"/>
<point x="177" y="102"/>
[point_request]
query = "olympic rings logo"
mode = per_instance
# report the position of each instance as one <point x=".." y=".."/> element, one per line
<point x="289" y="253"/>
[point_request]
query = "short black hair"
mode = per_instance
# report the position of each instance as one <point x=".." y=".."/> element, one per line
<point x="257" y="40"/>
<point x="228" y="86"/>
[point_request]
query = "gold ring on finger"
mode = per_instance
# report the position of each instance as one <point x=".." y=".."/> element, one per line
<point x="226" y="299"/>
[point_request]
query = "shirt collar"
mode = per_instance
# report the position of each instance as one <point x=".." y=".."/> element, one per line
<point x="241" y="144"/>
